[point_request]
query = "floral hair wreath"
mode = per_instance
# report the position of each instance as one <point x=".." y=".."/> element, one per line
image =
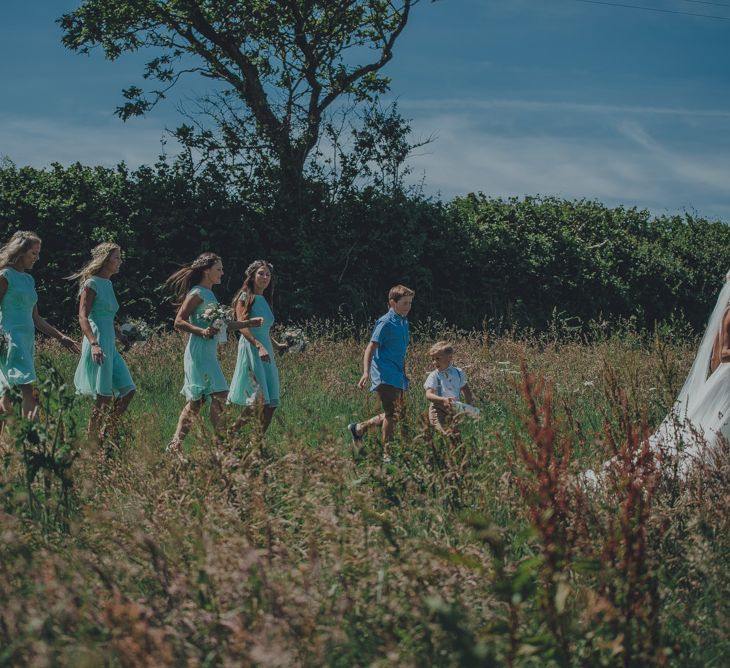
<point x="103" y="249"/>
<point x="203" y="262"/>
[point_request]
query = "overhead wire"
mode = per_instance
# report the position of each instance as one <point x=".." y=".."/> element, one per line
<point x="654" y="9"/>
<point x="707" y="2"/>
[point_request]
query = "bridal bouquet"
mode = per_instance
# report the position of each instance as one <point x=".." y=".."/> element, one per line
<point x="218" y="316"/>
<point x="295" y="340"/>
<point x="135" y="330"/>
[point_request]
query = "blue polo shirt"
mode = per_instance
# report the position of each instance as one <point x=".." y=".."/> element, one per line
<point x="389" y="360"/>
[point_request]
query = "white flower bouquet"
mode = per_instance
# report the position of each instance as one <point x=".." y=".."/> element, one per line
<point x="295" y="340"/>
<point x="134" y="331"/>
<point x="218" y="316"/>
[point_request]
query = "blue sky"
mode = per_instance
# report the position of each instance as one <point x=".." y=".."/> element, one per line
<point x="553" y="97"/>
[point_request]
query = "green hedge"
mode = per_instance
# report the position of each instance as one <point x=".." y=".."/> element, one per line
<point x="515" y="262"/>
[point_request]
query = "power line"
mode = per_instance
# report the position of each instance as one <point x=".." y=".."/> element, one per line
<point x="654" y="9"/>
<point x="706" y="2"/>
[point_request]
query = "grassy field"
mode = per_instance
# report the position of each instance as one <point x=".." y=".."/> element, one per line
<point x="295" y="550"/>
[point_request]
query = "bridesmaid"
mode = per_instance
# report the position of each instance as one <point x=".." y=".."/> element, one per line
<point x="256" y="377"/>
<point x="19" y="318"/>
<point x="101" y="373"/>
<point x="193" y="286"/>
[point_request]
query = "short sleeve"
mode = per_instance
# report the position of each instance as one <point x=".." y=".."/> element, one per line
<point x="5" y="274"/>
<point x="196" y="292"/>
<point x="378" y="332"/>
<point x="430" y="383"/>
<point x="462" y="377"/>
<point x="91" y="284"/>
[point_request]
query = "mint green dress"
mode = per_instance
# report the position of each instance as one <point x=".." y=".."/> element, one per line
<point x="16" y="323"/>
<point x="253" y="377"/>
<point x="203" y="373"/>
<point x="111" y="378"/>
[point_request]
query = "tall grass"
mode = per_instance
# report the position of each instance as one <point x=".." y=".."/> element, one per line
<point x="294" y="550"/>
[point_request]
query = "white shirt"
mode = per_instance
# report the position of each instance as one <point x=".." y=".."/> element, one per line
<point x="446" y="383"/>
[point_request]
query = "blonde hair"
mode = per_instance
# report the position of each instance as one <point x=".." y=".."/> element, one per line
<point x="441" y="348"/>
<point x="21" y="242"/>
<point x="99" y="255"/>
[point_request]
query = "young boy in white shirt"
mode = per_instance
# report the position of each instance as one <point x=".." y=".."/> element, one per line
<point x="445" y="385"/>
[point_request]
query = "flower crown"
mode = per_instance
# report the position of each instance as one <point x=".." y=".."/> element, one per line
<point x="102" y="250"/>
<point x="203" y="262"/>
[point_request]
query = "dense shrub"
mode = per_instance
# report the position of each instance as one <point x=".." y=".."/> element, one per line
<point x="518" y="262"/>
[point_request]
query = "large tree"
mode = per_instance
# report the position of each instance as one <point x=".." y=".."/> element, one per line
<point x="279" y="67"/>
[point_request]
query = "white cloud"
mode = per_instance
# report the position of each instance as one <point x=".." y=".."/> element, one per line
<point x="627" y="167"/>
<point x="431" y="104"/>
<point x="626" y="161"/>
<point x="40" y="141"/>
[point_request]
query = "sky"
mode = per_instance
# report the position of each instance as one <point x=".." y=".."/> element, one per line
<point x="573" y="98"/>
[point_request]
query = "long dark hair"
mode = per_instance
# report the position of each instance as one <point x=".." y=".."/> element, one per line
<point x="190" y="274"/>
<point x="247" y="293"/>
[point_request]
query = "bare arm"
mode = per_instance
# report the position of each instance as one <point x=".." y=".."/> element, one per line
<point x="241" y="324"/>
<point x="725" y="338"/>
<point x="246" y="331"/>
<point x="49" y="330"/>
<point x="86" y="301"/>
<point x="435" y="398"/>
<point x="182" y="318"/>
<point x="3" y="287"/>
<point x="281" y="347"/>
<point x="367" y="360"/>
<point x="468" y="394"/>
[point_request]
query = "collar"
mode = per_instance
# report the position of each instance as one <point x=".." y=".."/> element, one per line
<point x="396" y="316"/>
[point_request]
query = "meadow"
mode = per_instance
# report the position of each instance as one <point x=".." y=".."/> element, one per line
<point x="295" y="549"/>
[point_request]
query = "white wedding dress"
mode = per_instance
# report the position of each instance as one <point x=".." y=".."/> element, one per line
<point x="700" y="417"/>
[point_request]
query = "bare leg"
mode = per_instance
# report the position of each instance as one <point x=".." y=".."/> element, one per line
<point x="363" y="427"/>
<point x="217" y="406"/>
<point x="99" y="413"/>
<point x="388" y="428"/>
<point x="121" y="404"/>
<point x="30" y="403"/>
<point x="266" y="416"/>
<point x="113" y="414"/>
<point x="6" y="407"/>
<point x="189" y="412"/>
<point x="247" y="414"/>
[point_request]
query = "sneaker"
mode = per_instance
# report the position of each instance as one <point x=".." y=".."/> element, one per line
<point x="356" y="438"/>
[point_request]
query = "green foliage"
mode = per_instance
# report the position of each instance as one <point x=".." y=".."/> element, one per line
<point x="47" y="449"/>
<point x="543" y="263"/>
<point x="279" y="67"/>
<point x="292" y="551"/>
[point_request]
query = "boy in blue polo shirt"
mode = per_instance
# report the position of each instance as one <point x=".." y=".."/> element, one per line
<point x="384" y="365"/>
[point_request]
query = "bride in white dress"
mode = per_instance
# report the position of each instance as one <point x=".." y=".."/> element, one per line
<point x="700" y="417"/>
<point x="699" y="420"/>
